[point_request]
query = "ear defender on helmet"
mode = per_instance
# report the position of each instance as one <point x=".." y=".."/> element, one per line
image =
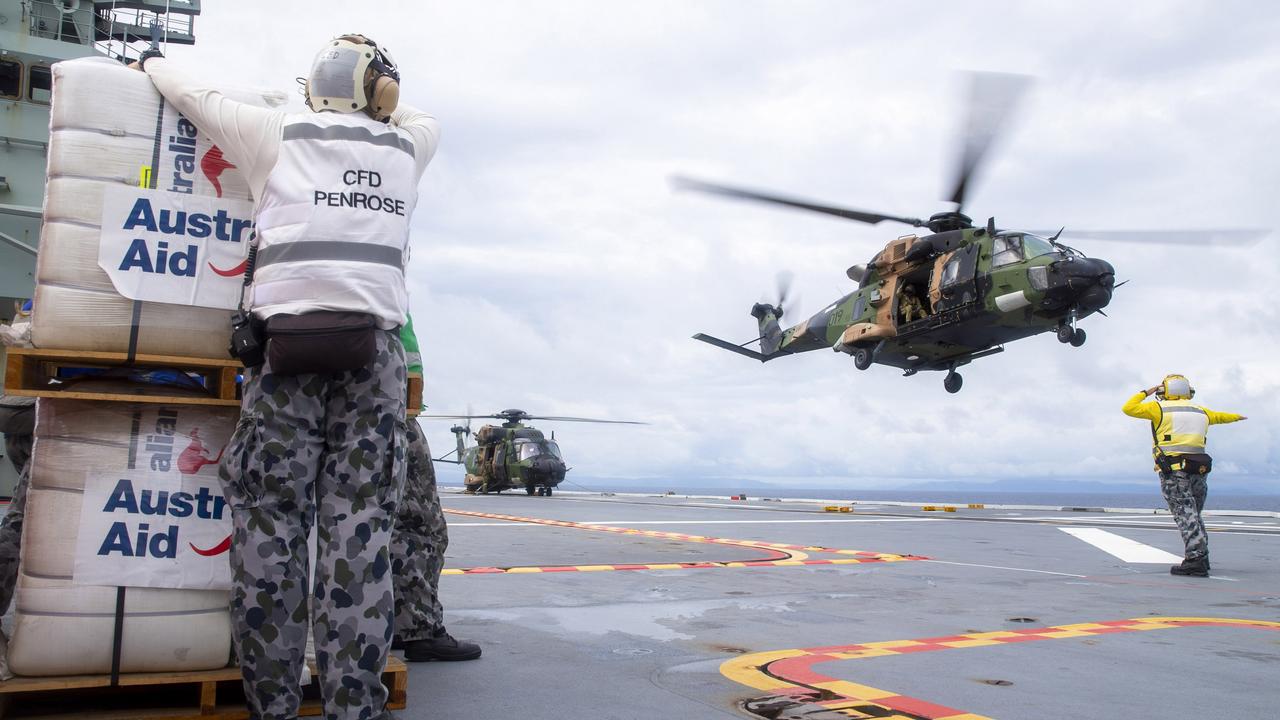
<point x="352" y="73"/>
<point x="1176" y="387"/>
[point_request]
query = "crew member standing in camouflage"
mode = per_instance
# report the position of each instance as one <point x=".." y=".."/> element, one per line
<point x="1179" y="431"/>
<point x="17" y="422"/>
<point x="417" y="549"/>
<point x="321" y="438"/>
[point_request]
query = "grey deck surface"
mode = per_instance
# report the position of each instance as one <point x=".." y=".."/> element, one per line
<point x="650" y="643"/>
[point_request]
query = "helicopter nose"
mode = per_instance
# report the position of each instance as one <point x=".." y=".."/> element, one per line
<point x="1085" y="283"/>
<point x="1093" y="282"/>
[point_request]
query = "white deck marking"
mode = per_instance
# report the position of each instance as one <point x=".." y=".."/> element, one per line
<point x="1130" y="551"/>
<point x="1002" y="567"/>
<point x="626" y="523"/>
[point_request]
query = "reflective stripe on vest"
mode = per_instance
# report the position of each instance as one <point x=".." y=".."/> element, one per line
<point x="1183" y="428"/>
<point x="333" y="219"/>
<point x="307" y="131"/>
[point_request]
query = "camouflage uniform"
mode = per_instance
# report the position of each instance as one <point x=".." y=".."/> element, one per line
<point x="417" y="546"/>
<point x="1185" y="492"/>
<point x="328" y="449"/>
<point x="18" y="448"/>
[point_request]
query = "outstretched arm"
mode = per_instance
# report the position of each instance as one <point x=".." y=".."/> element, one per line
<point x="423" y="128"/>
<point x="1218" y="418"/>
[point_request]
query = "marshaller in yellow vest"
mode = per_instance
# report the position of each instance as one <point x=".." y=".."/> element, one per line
<point x="1179" y="432"/>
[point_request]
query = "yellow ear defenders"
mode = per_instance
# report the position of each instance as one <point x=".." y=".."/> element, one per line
<point x="1176" y="387"/>
<point x="352" y="73"/>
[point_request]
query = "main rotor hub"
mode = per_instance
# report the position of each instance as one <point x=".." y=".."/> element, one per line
<point x="951" y="220"/>
<point x="513" y="415"/>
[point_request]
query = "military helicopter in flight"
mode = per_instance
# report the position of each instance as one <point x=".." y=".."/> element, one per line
<point x="953" y="293"/>
<point x="511" y="455"/>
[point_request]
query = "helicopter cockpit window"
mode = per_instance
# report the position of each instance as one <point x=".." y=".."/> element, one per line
<point x="1035" y="246"/>
<point x="1006" y="250"/>
<point x="527" y="450"/>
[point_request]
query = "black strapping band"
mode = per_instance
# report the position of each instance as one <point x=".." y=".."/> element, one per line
<point x="117" y="638"/>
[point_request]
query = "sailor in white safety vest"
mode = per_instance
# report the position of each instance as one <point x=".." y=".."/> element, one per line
<point x="1179" y="430"/>
<point x="322" y="430"/>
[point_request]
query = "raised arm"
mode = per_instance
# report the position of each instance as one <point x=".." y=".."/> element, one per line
<point x="1135" y="407"/>
<point x="423" y="128"/>
<point x="247" y="134"/>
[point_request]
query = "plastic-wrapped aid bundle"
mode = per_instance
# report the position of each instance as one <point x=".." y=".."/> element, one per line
<point x="124" y="494"/>
<point x="113" y="140"/>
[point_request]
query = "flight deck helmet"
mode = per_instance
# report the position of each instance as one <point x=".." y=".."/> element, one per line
<point x="1176" y="387"/>
<point x="351" y="73"/>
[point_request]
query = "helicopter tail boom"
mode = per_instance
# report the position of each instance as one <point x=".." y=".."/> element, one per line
<point x="726" y="345"/>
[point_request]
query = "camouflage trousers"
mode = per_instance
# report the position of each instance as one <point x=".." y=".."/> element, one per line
<point x="18" y="448"/>
<point x="417" y="546"/>
<point x="1185" y="493"/>
<point x="328" y="450"/>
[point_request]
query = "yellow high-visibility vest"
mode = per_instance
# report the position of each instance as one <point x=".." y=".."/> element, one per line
<point x="1183" y="428"/>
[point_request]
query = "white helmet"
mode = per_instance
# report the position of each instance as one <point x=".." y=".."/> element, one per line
<point x="1176" y="387"/>
<point x="352" y="73"/>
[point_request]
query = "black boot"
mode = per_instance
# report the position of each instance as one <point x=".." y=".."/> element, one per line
<point x="1193" y="568"/>
<point x="440" y="647"/>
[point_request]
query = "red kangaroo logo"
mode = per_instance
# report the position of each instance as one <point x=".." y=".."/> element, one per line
<point x="213" y="165"/>
<point x="193" y="458"/>
<point x="190" y="461"/>
<point x="218" y="549"/>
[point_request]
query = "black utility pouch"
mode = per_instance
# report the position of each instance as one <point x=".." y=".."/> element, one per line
<point x="1196" y="464"/>
<point x="320" y="342"/>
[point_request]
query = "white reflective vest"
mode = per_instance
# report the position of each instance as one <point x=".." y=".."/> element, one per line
<point x="333" y="219"/>
<point x="1183" y="428"/>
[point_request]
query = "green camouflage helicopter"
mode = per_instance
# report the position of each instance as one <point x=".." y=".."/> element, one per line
<point x="512" y="455"/>
<point x="941" y="299"/>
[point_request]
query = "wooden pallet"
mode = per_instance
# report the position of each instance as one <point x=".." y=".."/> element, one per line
<point x="41" y="372"/>
<point x="202" y="695"/>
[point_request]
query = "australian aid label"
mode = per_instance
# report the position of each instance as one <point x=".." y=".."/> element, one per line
<point x="173" y="247"/>
<point x="162" y="522"/>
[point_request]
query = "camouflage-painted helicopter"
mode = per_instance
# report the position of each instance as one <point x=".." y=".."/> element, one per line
<point x="512" y="455"/>
<point x="941" y="299"/>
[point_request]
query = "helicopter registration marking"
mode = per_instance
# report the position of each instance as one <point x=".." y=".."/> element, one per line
<point x="776" y="554"/>
<point x="790" y="673"/>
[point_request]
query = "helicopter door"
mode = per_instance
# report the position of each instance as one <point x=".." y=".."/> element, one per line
<point x="957" y="285"/>
<point x="500" y="462"/>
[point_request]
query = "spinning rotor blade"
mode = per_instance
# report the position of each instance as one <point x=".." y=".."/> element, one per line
<point x="993" y="97"/>
<point x="1223" y="236"/>
<point x="558" y="418"/>
<point x="683" y="183"/>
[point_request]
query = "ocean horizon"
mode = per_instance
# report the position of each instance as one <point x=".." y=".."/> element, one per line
<point x="1152" y="500"/>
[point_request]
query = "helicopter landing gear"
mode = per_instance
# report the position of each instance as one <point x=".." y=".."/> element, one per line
<point x="529" y="489"/>
<point x="1069" y="334"/>
<point x="862" y="358"/>
<point x="953" y="381"/>
<point x="543" y="490"/>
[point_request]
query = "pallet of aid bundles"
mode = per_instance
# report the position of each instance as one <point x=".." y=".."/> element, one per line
<point x="124" y="564"/>
<point x="146" y="222"/>
<point x="122" y="608"/>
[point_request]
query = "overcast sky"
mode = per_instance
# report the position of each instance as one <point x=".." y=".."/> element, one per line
<point x="553" y="269"/>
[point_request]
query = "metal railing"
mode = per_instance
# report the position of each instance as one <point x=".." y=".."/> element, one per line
<point x="59" y="20"/>
<point x="123" y="33"/>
